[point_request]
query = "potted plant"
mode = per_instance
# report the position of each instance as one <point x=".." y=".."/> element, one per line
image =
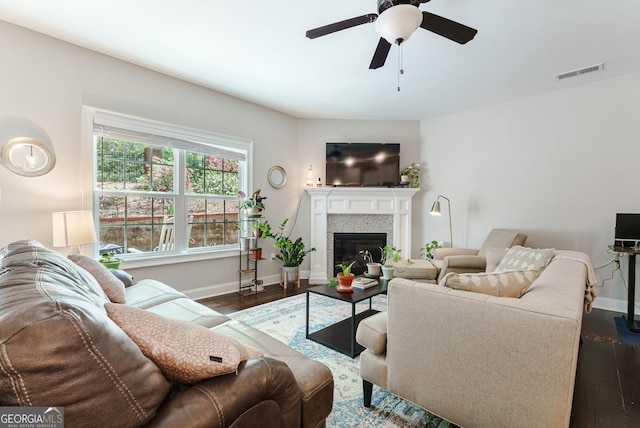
<point x="253" y="204"/>
<point x="411" y="175"/>
<point x="345" y="278"/>
<point x="427" y="250"/>
<point x="256" y="253"/>
<point x="110" y="261"/>
<point x="390" y="255"/>
<point x="290" y="252"/>
<point x="256" y="285"/>
<point x="373" y="268"/>
<point x="404" y="175"/>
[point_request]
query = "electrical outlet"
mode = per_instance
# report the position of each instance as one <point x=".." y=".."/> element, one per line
<point x="273" y="257"/>
<point x="616" y="260"/>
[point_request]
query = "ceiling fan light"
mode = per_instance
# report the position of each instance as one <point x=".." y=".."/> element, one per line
<point x="398" y="22"/>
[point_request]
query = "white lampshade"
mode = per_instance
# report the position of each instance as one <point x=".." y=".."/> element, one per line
<point x="73" y="228"/>
<point x="398" y="22"/>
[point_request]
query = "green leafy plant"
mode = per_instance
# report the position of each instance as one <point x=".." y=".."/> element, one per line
<point x="110" y="261"/>
<point x="346" y="269"/>
<point x="291" y="253"/>
<point x="427" y="250"/>
<point x="390" y="255"/>
<point x="255" y="200"/>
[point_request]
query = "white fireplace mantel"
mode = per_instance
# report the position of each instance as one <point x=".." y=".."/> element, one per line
<point x="356" y="200"/>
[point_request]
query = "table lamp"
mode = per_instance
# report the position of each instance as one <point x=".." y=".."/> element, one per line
<point x="73" y="229"/>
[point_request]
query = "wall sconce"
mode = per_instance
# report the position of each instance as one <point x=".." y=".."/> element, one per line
<point x="73" y="229"/>
<point x="435" y="210"/>
<point x="25" y="148"/>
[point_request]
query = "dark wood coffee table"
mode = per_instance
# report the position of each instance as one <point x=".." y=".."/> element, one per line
<point x="341" y="336"/>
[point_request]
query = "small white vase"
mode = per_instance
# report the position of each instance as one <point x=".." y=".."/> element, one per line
<point x="373" y="268"/>
<point x="404" y="179"/>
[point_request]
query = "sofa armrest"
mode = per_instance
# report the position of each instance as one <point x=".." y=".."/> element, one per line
<point x="441" y="253"/>
<point x="264" y="393"/>
<point x="462" y="264"/>
<point x="372" y="333"/>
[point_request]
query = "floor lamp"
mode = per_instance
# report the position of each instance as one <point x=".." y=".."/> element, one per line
<point x="73" y="229"/>
<point x="435" y="210"/>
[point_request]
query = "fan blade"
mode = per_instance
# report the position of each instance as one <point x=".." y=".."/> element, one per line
<point x="447" y="28"/>
<point x="380" y="56"/>
<point x="342" y="25"/>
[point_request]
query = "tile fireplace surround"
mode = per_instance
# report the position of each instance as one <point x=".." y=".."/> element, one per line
<point x="376" y="202"/>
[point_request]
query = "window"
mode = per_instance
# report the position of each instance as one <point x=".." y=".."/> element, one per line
<point x="160" y="188"/>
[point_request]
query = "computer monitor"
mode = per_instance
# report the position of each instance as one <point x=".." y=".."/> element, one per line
<point x="627" y="233"/>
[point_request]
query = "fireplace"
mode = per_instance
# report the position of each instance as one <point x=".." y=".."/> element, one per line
<point x="364" y="210"/>
<point x="347" y="247"/>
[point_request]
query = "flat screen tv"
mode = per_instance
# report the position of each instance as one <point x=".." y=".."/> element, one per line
<point x="627" y="229"/>
<point x="363" y="164"/>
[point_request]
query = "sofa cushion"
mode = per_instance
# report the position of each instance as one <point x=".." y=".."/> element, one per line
<point x="184" y="351"/>
<point x="418" y="269"/>
<point x="500" y="284"/>
<point x="60" y="348"/>
<point x="112" y="286"/>
<point x="523" y="258"/>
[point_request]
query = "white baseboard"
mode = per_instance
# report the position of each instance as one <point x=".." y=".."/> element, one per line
<point x="613" y="305"/>
<point x="232" y="287"/>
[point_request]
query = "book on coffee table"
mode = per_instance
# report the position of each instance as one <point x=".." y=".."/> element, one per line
<point x="364" y="282"/>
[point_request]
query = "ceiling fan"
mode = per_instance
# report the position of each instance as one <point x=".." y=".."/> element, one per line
<point x="395" y="22"/>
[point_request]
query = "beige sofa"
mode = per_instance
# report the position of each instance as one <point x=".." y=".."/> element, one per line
<point x="58" y="347"/>
<point x="478" y="360"/>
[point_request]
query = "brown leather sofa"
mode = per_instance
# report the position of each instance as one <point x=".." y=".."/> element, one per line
<point x="59" y="348"/>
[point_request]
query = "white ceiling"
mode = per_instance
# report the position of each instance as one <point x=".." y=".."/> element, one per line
<point x="257" y="50"/>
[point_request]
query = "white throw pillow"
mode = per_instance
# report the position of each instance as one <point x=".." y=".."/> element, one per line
<point x="523" y="258"/>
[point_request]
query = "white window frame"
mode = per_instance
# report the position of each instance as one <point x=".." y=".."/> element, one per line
<point x="183" y="253"/>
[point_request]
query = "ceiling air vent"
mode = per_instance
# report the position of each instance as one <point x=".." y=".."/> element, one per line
<point x="580" y="71"/>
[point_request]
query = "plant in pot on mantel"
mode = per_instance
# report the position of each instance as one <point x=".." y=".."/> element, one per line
<point x="291" y="253"/>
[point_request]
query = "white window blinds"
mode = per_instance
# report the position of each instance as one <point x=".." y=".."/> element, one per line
<point x="149" y="132"/>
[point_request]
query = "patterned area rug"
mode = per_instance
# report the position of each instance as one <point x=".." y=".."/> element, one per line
<point x="285" y="320"/>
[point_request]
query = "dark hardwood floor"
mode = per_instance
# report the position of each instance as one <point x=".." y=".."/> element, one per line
<point x="607" y="388"/>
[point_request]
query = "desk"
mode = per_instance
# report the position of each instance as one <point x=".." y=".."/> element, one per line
<point x="631" y="286"/>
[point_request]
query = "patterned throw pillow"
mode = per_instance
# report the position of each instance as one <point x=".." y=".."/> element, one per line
<point x="112" y="286"/>
<point x="500" y="284"/>
<point x="185" y="352"/>
<point x="522" y="258"/>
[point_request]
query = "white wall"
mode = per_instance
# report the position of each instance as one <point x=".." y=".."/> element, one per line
<point x="47" y="82"/>
<point x="557" y="166"/>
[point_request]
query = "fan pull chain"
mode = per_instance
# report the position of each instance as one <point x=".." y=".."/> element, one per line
<point x="400" y="63"/>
